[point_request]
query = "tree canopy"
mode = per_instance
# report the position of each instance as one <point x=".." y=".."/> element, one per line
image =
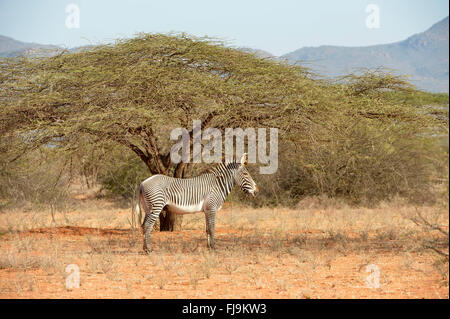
<point x="132" y="92"/>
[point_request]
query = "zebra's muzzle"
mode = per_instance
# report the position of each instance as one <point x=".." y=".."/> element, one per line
<point x="255" y="191"/>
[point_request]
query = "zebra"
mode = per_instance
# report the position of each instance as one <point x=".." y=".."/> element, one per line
<point x="205" y="193"/>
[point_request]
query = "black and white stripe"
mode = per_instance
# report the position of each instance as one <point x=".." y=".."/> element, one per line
<point x="205" y="193"/>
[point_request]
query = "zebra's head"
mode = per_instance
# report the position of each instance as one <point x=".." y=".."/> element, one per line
<point x="243" y="178"/>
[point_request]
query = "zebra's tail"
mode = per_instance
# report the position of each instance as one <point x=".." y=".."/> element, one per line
<point x="138" y="211"/>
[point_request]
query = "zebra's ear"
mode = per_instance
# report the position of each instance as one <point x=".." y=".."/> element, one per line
<point x="244" y="159"/>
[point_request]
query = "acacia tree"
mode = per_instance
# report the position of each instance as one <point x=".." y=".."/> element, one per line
<point x="135" y="91"/>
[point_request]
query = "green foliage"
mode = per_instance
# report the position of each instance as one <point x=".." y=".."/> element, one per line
<point x="419" y="98"/>
<point x="375" y="81"/>
<point x="368" y="137"/>
<point x="361" y="166"/>
<point x="364" y="165"/>
<point x="122" y="176"/>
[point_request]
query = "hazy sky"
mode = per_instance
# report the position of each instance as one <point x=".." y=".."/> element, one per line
<point x="277" y="26"/>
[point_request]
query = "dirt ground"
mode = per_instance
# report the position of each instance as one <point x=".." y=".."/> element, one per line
<point x="309" y="252"/>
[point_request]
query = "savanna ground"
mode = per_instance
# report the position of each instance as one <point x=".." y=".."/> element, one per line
<point x="318" y="250"/>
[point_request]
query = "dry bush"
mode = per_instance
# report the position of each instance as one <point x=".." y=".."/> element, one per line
<point x="51" y="265"/>
<point x="16" y="259"/>
<point x="96" y="244"/>
<point x="208" y="262"/>
<point x="439" y="241"/>
<point x="321" y="202"/>
<point x="37" y="179"/>
<point x="102" y="263"/>
<point x="23" y="282"/>
<point x="162" y="279"/>
<point x="195" y="275"/>
<point x="13" y="260"/>
<point x="433" y="224"/>
<point x="231" y="266"/>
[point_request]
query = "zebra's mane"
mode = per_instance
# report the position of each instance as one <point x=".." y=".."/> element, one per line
<point x="220" y="168"/>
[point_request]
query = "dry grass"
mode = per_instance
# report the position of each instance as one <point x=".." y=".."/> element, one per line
<point x="261" y="253"/>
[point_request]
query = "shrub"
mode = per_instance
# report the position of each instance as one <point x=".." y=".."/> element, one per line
<point x="122" y="174"/>
<point x="37" y="178"/>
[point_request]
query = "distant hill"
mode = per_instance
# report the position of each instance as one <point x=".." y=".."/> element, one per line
<point x="423" y="56"/>
<point x="10" y="48"/>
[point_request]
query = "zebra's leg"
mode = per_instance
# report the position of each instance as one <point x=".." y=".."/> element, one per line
<point x="149" y="222"/>
<point x="210" y="225"/>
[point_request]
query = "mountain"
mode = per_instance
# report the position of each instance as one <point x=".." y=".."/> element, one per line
<point x="423" y="56"/>
<point x="10" y="48"/>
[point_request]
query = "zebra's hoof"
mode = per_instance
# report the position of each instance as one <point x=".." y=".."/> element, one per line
<point x="147" y="250"/>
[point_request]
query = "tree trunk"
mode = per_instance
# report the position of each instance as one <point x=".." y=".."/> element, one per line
<point x="169" y="221"/>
